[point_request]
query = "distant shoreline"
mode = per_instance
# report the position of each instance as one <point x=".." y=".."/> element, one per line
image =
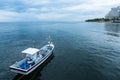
<point x="99" y="20"/>
<point x="114" y="20"/>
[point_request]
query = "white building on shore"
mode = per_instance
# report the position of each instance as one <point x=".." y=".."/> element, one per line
<point x="113" y="13"/>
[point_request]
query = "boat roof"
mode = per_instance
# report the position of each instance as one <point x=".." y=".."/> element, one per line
<point x="30" y="51"/>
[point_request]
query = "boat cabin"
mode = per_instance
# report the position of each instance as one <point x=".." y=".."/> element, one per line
<point x="31" y="53"/>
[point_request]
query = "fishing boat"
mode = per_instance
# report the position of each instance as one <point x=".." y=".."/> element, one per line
<point x="34" y="57"/>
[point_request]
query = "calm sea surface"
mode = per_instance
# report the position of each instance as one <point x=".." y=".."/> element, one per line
<point x="83" y="51"/>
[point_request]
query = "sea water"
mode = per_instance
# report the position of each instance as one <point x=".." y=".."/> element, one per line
<point x="83" y="51"/>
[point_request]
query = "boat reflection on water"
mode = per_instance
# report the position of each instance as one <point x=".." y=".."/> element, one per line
<point x="112" y="29"/>
<point x="35" y="75"/>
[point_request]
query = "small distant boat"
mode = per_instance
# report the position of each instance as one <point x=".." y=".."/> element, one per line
<point x="34" y="58"/>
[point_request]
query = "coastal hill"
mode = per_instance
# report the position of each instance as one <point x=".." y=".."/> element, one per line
<point x="112" y="16"/>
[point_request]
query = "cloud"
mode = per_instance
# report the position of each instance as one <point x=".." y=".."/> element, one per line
<point x="35" y="2"/>
<point x="38" y="10"/>
<point x="52" y="16"/>
<point x="93" y="5"/>
<point x="11" y="16"/>
<point x="7" y="15"/>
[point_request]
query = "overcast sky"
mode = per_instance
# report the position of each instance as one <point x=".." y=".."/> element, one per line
<point x="54" y="10"/>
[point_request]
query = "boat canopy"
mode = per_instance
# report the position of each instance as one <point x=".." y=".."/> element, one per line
<point x="30" y="51"/>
